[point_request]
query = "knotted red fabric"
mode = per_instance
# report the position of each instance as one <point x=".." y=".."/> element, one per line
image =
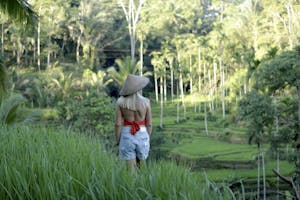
<point x="135" y="125"/>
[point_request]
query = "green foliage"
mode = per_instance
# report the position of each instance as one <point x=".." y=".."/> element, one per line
<point x="123" y="68"/>
<point x="3" y="81"/>
<point x="91" y="113"/>
<point x="20" y="11"/>
<point x="280" y="72"/>
<point x="257" y="109"/>
<point x="48" y="163"/>
<point x="8" y="108"/>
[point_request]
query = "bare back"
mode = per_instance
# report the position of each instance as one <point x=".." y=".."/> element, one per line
<point x="138" y="115"/>
<point x="142" y="112"/>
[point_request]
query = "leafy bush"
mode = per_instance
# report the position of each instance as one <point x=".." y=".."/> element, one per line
<point x="90" y="113"/>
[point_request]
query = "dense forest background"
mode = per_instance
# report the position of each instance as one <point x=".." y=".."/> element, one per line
<point x="63" y="62"/>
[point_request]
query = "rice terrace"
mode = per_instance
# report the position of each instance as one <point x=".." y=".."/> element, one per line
<point x="224" y="91"/>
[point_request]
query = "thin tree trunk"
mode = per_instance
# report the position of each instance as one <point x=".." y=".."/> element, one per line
<point x="258" y="176"/>
<point x="78" y="47"/>
<point x="165" y="84"/>
<point x="245" y="84"/>
<point x="14" y="50"/>
<point x="277" y="150"/>
<point x="205" y="102"/>
<point x="205" y="118"/>
<point x="49" y="53"/>
<point x="182" y="94"/>
<point x="2" y="40"/>
<point x="155" y="84"/>
<point x="223" y="87"/>
<point x="62" y="46"/>
<point x="191" y="83"/>
<point x="161" y="102"/>
<point x="264" y="173"/>
<point x="181" y="88"/>
<point x="298" y="89"/>
<point x="210" y="92"/>
<point x="215" y="85"/>
<point x="191" y="76"/>
<point x="19" y="53"/>
<point x="39" y="46"/>
<point x="240" y="89"/>
<point x="172" y="79"/>
<point x="141" y="56"/>
<point x="290" y="25"/>
<point x="277" y="33"/>
<point x="278" y="169"/>
<point x="132" y="18"/>
<point x="199" y="77"/>
<point x="34" y="49"/>
<point x="48" y="60"/>
<point x="178" y="108"/>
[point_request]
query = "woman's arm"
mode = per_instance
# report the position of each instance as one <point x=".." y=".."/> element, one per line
<point x="149" y="119"/>
<point x="118" y="124"/>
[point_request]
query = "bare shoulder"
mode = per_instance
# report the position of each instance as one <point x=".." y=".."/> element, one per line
<point x="147" y="101"/>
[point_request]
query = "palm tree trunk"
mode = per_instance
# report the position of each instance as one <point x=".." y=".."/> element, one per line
<point x="191" y="82"/>
<point x="264" y="173"/>
<point x="210" y="92"/>
<point x="205" y="118"/>
<point x="199" y="77"/>
<point x="181" y="87"/>
<point x="215" y="84"/>
<point x="39" y="46"/>
<point x="191" y="77"/>
<point x="277" y="150"/>
<point x="2" y="40"/>
<point x="161" y="102"/>
<point x="49" y="53"/>
<point x="182" y="94"/>
<point x="78" y="47"/>
<point x="205" y="95"/>
<point x="165" y="84"/>
<point x="258" y="175"/>
<point x="141" y="56"/>
<point x="223" y="87"/>
<point x="178" y="108"/>
<point x="298" y="89"/>
<point x="34" y="49"/>
<point x="172" y="80"/>
<point x="155" y="84"/>
<point x="290" y="24"/>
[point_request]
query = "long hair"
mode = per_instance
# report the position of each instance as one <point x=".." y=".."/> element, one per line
<point x="129" y="102"/>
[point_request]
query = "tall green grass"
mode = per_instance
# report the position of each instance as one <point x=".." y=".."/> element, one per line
<point x="52" y="163"/>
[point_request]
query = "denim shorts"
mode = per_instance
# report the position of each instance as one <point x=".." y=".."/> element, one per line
<point x="134" y="146"/>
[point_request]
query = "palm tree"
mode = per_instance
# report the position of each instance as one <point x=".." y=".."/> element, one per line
<point x="125" y="67"/>
<point x="19" y="10"/>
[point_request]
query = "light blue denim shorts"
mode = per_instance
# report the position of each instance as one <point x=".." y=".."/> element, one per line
<point x="134" y="146"/>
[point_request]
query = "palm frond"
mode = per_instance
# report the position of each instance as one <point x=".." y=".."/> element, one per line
<point x="20" y="11"/>
<point x="125" y="67"/>
<point x="8" y="108"/>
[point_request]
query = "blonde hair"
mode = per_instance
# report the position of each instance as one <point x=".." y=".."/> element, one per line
<point x="129" y="102"/>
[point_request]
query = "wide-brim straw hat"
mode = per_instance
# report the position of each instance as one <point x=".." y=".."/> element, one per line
<point x="133" y="83"/>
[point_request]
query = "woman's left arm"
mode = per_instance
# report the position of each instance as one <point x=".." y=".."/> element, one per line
<point x="118" y="124"/>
